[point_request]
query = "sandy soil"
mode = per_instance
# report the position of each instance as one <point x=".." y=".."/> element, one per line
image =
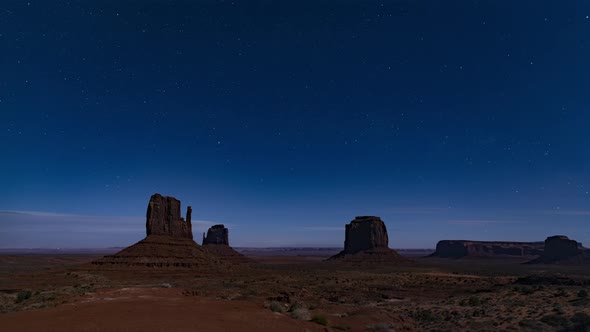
<point x="284" y="293"/>
<point x="152" y="309"/>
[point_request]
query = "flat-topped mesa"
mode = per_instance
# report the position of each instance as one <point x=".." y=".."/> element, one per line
<point x="468" y="248"/>
<point x="163" y="218"/>
<point x="365" y="233"/>
<point x="560" y="246"/>
<point x="217" y="234"/>
<point x="560" y="249"/>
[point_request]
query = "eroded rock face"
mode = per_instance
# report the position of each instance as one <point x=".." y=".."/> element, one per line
<point x="560" y="249"/>
<point x="465" y="248"/>
<point x="559" y="246"/>
<point x="367" y="242"/>
<point x="168" y="244"/>
<point x="163" y="218"/>
<point x="216" y="234"/>
<point x="364" y="233"/>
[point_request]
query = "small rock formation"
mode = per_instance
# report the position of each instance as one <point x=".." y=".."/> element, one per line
<point x="168" y="244"/>
<point x="216" y="234"/>
<point x="163" y="218"/>
<point x="560" y="249"/>
<point x="466" y="248"/>
<point x="217" y="242"/>
<point x="366" y="240"/>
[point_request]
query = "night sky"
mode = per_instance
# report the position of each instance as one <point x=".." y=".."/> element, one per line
<point x="286" y="119"/>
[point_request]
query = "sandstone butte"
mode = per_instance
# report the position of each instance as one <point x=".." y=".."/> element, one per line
<point x="367" y="241"/>
<point x="217" y="242"/>
<point x="168" y="242"/>
<point x="559" y="249"/>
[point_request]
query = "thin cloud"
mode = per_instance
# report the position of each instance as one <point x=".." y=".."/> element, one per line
<point x="475" y="222"/>
<point x="415" y="210"/>
<point x="322" y="228"/>
<point x="567" y="212"/>
<point x="30" y="229"/>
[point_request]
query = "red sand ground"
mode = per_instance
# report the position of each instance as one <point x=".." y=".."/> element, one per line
<point x="144" y="309"/>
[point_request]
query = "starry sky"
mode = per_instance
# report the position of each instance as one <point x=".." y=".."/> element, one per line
<point x="286" y="119"/>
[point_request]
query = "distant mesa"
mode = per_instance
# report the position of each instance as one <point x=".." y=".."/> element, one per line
<point x="216" y="234"/>
<point x="217" y="242"/>
<point x="559" y="249"/>
<point x="366" y="240"/>
<point x="169" y="241"/>
<point x="467" y="248"/>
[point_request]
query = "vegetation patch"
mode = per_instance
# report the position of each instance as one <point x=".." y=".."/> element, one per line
<point x="23" y="296"/>
<point x="320" y="319"/>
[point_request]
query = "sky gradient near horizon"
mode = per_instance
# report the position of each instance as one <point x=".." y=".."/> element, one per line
<point x="449" y="120"/>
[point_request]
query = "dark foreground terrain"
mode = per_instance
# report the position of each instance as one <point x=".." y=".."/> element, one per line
<point x="62" y="292"/>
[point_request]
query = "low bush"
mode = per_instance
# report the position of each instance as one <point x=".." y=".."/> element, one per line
<point x="581" y="321"/>
<point x="320" y="319"/>
<point x="382" y="326"/>
<point x="301" y="313"/>
<point x="276" y="306"/>
<point x="555" y="320"/>
<point x="22" y="296"/>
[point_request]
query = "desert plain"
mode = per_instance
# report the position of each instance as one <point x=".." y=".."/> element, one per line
<point x="291" y="292"/>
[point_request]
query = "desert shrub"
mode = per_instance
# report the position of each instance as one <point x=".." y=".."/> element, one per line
<point x="555" y="320"/>
<point x="49" y="297"/>
<point x="424" y="315"/>
<point x="341" y="327"/>
<point x="559" y="310"/>
<point x="276" y="306"/>
<point x="530" y="325"/>
<point x="381" y="326"/>
<point x="474" y="301"/>
<point x="581" y="321"/>
<point x="320" y="319"/>
<point x="22" y="296"/>
<point x="297" y="305"/>
<point x="301" y="313"/>
<point x="560" y="293"/>
<point x="583" y="294"/>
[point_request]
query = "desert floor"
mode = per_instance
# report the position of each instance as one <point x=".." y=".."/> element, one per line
<point x="63" y="292"/>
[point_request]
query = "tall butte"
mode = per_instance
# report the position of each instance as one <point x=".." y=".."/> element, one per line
<point x="163" y="218"/>
<point x="168" y="242"/>
<point x="217" y="242"/>
<point x="366" y="240"/>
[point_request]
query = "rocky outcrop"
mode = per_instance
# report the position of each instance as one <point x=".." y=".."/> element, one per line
<point x="163" y="218"/>
<point x="559" y="246"/>
<point x="216" y="234"/>
<point x="465" y="248"/>
<point x="364" y="233"/>
<point x="366" y="240"/>
<point x="217" y="242"/>
<point x="168" y="244"/>
<point x="560" y="249"/>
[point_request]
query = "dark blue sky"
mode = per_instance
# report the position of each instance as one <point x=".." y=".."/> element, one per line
<point x="449" y="119"/>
